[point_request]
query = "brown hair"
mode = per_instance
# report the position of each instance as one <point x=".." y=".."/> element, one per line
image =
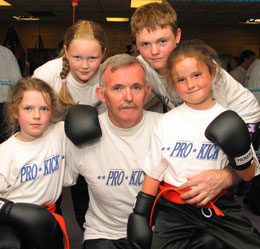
<point x="16" y="95"/>
<point x="197" y="49"/>
<point x="81" y="29"/>
<point x="152" y="15"/>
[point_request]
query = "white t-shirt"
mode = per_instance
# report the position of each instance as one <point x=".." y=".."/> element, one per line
<point x="81" y="93"/>
<point x="112" y="167"/>
<point x="179" y="148"/>
<point x="227" y="92"/>
<point x="9" y="71"/>
<point x="253" y="78"/>
<point x="33" y="171"/>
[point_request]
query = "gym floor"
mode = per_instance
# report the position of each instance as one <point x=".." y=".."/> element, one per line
<point x="76" y="235"/>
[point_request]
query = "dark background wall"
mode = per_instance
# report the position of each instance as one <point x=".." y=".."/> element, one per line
<point x="227" y="40"/>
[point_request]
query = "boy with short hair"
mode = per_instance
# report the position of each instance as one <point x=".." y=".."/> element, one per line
<point x="157" y="33"/>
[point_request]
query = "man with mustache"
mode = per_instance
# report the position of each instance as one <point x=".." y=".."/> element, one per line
<point x="112" y="166"/>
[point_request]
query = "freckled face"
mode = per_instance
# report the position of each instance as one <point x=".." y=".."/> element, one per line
<point x="193" y="82"/>
<point x="155" y="46"/>
<point x="33" y="115"/>
<point x="84" y="57"/>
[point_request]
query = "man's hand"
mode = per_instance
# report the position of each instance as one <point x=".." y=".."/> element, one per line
<point x="207" y="185"/>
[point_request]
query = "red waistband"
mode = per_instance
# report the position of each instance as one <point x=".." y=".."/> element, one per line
<point x="62" y="224"/>
<point x="172" y="193"/>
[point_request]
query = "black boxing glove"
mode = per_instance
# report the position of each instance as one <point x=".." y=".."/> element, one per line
<point x="230" y="133"/>
<point x="33" y="223"/>
<point x="139" y="232"/>
<point x="9" y="239"/>
<point x="82" y="124"/>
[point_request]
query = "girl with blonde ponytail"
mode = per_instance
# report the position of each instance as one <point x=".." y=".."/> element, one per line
<point x="74" y="75"/>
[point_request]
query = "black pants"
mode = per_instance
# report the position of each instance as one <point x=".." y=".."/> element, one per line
<point x="80" y="199"/>
<point x="106" y="244"/>
<point x="253" y="196"/>
<point x="187" y="227"/>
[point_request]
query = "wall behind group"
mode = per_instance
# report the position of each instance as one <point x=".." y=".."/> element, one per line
<point x="225" y="39"/>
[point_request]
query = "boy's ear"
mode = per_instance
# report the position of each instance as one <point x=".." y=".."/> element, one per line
<point x="100" y="94"/>
<point x="178" y="36"/>
<point x="105" y="50"/>
<point x="148" y="92"/>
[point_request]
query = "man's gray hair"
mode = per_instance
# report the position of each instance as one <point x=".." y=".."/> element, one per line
<point x="117" y="61"/>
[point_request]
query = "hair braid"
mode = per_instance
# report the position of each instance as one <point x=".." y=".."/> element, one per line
<point x="64" y="94"/>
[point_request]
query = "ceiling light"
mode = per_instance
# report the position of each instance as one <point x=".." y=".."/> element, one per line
<point x="138" y="3"/>
<point x="26" y="18"/>
<point x="4" y="3"/>
<point x="117" y="19"/>
<point x="251" y="21"/>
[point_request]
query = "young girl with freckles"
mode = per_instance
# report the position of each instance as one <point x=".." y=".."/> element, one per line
<point x="157" y="33"/>
<point x="74" y="76"/>
<point x="180" y="149"/>
<point x="33" y="158"/>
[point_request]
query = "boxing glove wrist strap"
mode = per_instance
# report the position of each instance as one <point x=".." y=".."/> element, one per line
<point x="242" y="162"/>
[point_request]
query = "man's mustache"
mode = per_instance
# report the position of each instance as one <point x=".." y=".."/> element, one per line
<point x="126" y="105"/>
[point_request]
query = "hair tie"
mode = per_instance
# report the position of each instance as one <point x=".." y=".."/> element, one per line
<point x="63" y="81"/>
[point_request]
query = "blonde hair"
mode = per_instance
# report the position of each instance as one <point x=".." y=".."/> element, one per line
<point x="16" y="95"/>
<point x="152" y="15"/>
<point x="197" y="49"/>
<point x="81" y="29"/>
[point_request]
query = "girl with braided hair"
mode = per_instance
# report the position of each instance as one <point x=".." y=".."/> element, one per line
<point x="75" y="74"/>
